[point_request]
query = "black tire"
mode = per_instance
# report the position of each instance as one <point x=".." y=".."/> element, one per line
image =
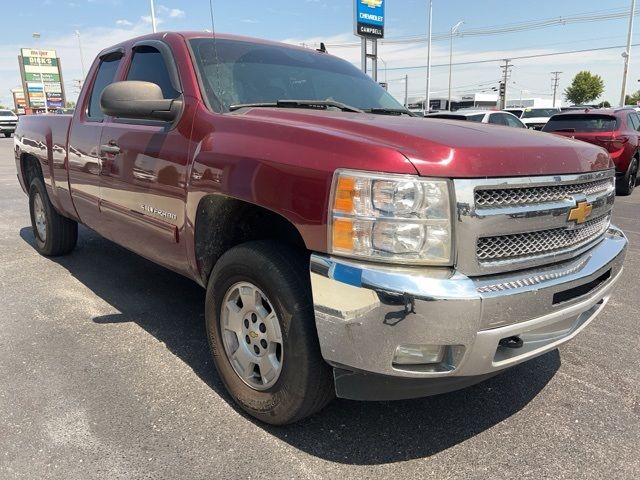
<point x="627" y="183"/>
<point x="7" y="134"/>
<point x="61" y="233"/>
<point x="305" y="383"/>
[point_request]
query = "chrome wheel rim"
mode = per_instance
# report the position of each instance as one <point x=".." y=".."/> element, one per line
<point x="39" y="217"/>
<point x="251" y="336"/>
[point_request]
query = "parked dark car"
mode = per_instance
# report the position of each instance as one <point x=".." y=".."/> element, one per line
<point x="614" y="129"/>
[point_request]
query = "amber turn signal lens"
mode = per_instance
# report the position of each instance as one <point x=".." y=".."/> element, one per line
<point x="345" y="191"/>
<point x="343" y="234"/>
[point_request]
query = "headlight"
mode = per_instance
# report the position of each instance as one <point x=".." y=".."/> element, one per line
<point x="393" y="218"/>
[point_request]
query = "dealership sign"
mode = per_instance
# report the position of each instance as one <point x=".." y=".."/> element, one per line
<point x="41" y="78"/>
<point x="369" y="18"/>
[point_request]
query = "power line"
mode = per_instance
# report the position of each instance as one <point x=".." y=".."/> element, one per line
<point x="590" y="17"/>
<point x="522" y="57"/>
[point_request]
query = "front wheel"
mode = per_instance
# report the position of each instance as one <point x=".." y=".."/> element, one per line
<point x="627" y="182"/>
<point x="54" y="234"/>
<point x="261" y="330"/>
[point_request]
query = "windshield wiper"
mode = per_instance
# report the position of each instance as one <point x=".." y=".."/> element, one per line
<point x="313" y="104"/>
<point x="390" y="111"/>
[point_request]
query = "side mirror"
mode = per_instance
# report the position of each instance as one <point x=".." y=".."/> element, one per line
<point x="138" y="100"/>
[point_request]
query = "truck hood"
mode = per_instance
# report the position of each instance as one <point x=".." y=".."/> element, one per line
<point x="451" y="148"/>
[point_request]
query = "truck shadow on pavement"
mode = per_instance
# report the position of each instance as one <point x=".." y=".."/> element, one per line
<point x="170" y="307"/>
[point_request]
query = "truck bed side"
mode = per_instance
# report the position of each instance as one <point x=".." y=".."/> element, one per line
<point x="44" y="139"/>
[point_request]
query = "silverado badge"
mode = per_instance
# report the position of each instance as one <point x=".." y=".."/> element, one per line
<point x="581" y="212"/>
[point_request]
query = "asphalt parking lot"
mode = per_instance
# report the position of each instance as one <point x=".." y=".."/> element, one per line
<point x="106" y="374"/>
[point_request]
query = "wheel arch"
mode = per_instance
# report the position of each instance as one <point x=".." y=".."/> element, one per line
<point x="223" y="222"/>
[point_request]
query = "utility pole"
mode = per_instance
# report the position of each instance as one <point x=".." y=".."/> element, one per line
<point x="77" y="32"/>
<point x="406" y="90"/>
<point x="555" y="83"/>
<point x="506" y="73"/>
<point x="627" y="55"/>
<point x="153" y="16"/>
<point x="427" y="105"/>
<point x="454" y="30"/>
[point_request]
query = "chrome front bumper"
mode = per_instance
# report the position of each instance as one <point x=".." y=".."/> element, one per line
<point x="365" y="311"/>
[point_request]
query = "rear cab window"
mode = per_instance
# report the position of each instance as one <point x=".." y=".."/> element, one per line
<point x="585" y="122"/>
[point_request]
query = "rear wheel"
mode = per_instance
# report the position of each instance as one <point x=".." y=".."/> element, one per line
<point x="261" y="329"/>
<point x="627" y="183"/>
<point x="7" y="134"/>
<point x="54" y="234"/>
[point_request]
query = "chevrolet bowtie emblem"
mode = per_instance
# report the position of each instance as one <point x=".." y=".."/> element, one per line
<point x="372" y="3"/>
<point x="581" y="212"/>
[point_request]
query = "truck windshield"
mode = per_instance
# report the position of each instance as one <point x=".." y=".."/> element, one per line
<point x="236" y="72"/>
<point x="6" y="113"/>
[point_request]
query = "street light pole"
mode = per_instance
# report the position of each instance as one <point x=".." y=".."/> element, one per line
<point x="36" y="36"/>
<point x="385" y="68"/>
<point x="627" y="54"/>
<point x="153" y="16"/>
<point x="427" y="106"/>
<point x="81" y="56"/>
<point x="454" y="30"/>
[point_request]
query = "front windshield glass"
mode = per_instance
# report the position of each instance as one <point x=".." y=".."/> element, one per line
<point x="237" y="72"/>
<point x="539" y="112"/>
<point x="6" y="113"/>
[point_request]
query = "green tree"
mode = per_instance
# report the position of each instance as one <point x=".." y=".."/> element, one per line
<point x="605" y="104"/>
<point x="632" y="99"/>
<point x="70" y="105"/>
<point x="585" y="88"/>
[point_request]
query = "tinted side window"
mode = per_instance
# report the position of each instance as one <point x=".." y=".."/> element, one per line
<point x="476" y="118"/>
<point x="513" y="122"/>
<point x="633" y="121"/>
<point x="148" y="65"/>
<point x="497" y="119"/>
<point x="106" y="73"/>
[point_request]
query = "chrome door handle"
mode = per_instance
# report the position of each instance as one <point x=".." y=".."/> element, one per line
<point x="110" y="148"/>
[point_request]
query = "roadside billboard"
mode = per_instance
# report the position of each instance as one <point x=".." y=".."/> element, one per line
<point x="19" y="101"/>
<point x="41" y="78"/>
<point x="369" y="18"/>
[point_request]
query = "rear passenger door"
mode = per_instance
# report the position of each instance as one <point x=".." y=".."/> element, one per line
<point x="143" y="181"/>
<point x="83" y="157"/>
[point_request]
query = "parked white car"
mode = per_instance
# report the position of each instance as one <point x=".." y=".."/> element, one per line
<point x="8" y="122"/>
<point x="534" y="118"/>
<point x="494" y="117"/>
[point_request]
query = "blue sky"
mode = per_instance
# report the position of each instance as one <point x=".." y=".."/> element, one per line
<point x="104" y="22"/>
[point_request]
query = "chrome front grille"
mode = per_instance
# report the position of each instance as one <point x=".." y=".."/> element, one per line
<point x="505" y="197"/>
<point x="545" y="242"/>
<point x="506" y="224"/>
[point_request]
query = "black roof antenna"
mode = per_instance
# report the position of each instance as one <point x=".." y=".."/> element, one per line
<point x="322" y="49"/>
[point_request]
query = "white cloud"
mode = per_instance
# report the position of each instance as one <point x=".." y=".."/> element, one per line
<point x="249" y="20"/>
<point x="171" y="12"/>
<point x="124" y="23"/>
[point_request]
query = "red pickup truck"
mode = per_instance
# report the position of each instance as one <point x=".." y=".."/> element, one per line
<point x="347" y="248"/>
